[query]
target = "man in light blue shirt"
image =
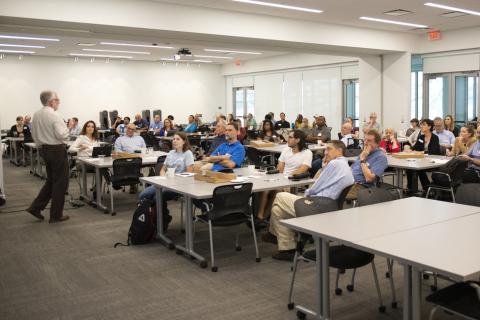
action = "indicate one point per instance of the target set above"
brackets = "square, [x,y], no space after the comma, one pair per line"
[156,125]
[445,137]
[334,178]
[129,142]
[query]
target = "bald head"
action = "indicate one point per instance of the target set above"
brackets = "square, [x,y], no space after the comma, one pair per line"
[346,128]
[130,129]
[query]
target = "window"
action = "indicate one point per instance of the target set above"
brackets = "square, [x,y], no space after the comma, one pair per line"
[416,107]
[243,102]
[466,97]
[351,101]
[438,96]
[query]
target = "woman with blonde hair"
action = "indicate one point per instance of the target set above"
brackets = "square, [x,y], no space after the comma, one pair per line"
[449,123]
[463,142]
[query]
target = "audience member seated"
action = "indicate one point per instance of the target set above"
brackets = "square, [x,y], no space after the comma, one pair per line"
[217,118]
[320,131]
[449,123]
[370,165]
[346,135]
[230,118]
[172,120]
[156,125]
[198,119]
[219,137]
[250,122]
[282,123]
[389,143]
[230,154]
[73,128]
[167,126]
[472,174]
[413,127]
[27,120]
[372,124]
[355,130]
[272,117]
[19,130]
[268,134]
[87,139]
[140,124]
[305,126]
[445,137]
[191,126]
[463,142]
[299,122]
[180,158]
[295,159]
[118,121]
[242,132]
[429,143]
[129,142]
[121,128]
[334,178]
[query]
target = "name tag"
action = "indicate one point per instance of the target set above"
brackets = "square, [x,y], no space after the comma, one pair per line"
[420,140]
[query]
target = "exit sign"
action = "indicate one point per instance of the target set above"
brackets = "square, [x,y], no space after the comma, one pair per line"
[434,35]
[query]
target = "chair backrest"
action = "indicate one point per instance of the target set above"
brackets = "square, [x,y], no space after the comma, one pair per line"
[468,193]
[253,156]
[129,168]
[370,196]
[150,140]
[352,152]
[194,141]
[159,165]
[231,199]
[343,196]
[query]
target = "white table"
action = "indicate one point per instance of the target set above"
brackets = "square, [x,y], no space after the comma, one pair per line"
[106,163]
[278,148]
[190,189]
[354,227]
[35,164]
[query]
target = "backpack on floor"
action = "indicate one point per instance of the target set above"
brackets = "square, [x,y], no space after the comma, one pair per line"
[144,224]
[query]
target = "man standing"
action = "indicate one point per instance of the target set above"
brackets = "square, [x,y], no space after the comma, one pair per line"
[320,132]
[156,125]
[50,135]
[282,123]
[230,154]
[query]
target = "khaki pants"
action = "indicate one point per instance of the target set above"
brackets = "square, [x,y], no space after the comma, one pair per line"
[283,208]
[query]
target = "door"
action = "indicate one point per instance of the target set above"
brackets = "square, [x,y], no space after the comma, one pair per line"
[351,101]
[243,102]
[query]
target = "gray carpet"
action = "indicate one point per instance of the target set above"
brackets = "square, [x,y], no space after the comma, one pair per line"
[71,270]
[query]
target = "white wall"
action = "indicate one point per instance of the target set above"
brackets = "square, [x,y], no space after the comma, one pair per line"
[370,81]
[85,88]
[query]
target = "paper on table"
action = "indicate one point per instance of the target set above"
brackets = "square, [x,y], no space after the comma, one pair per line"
[185,174]
[239,179]
[442,161]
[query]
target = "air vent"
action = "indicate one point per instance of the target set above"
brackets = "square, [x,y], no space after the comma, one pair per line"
[397,12]
[421,29]
[453,14]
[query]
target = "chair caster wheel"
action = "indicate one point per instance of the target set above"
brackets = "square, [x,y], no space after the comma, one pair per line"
[238,248]
[338,291]
[113,213]
[426,276]
[171,246]
[203,264]
[394,305]
[258,259]
[433,288]
[387,274]
[214,269]
[350,288]
[382,309]
[290,306]
[178,251]
[301,315]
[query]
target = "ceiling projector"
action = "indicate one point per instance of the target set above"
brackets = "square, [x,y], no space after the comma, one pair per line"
[183,54]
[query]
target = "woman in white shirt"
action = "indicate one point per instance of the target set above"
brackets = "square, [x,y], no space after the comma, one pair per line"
[87,139]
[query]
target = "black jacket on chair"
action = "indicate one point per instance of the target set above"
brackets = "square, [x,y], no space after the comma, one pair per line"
[433,146]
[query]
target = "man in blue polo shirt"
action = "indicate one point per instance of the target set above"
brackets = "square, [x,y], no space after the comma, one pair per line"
[371,164]
[230,154]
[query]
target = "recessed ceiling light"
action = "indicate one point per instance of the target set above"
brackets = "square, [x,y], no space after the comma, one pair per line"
[395,22]
[21,46]
[135,45]
[16,51]
[116,51]
[214,57]
[453,14]
[167,59]
[85,44]
[231,51]
[204,61]
[99,56]
[397,12]
[281,6]
[441,6]
[2,36]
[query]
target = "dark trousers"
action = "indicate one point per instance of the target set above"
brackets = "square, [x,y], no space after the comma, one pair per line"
[413,185]
[55,157]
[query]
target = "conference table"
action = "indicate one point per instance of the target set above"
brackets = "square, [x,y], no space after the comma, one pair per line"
[190,189]
[107,163]
[279,147]
[421,234]
[35,163]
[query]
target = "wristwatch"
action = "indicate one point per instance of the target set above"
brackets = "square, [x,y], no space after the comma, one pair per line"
[363,161]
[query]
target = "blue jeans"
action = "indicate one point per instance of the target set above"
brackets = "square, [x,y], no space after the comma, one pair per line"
[149,193]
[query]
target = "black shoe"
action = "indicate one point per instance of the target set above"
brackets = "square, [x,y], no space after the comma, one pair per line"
[61,219]
[270,238]
[36,213]
[259,224]
[285,255]
[166,221]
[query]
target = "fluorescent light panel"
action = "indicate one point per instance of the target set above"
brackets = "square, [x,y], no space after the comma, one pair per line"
[394,22]
[99,56]
[281,6]
[16,51]
[135,45]
[214,57]
[195,60]
[21,46]
[231,51]
[3,36]
[441,6]
[116,51]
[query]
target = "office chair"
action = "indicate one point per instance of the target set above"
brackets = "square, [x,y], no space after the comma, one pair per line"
[462,299]
[448,181]
[256,158]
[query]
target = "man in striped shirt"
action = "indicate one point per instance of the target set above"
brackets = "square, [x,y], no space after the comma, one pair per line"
[335,176]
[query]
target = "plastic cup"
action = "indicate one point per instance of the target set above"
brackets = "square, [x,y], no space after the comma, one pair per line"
[170,172]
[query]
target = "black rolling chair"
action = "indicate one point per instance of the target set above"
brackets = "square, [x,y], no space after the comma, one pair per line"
[448,181]
[462,299]
[195,142]
[125,172]
[468,193]
[229,206]
[256,158]
[159,165]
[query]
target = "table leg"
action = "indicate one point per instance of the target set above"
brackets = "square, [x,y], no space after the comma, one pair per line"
[407,292]
[416,294]
[323,248]
[98,188]
[400,180]
[160,234]
[32,162]
[23,156]
[83,189]
[10,149]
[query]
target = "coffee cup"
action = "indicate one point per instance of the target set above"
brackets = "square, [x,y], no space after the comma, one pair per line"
[170,172]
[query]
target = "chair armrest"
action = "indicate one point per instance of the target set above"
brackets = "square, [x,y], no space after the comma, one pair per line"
[475,286]
[444,174]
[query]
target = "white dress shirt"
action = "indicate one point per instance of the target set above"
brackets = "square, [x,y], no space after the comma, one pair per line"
[83,140]
[48,127]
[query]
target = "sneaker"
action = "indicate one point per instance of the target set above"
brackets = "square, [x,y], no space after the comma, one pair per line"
[270,238]
[285,255]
